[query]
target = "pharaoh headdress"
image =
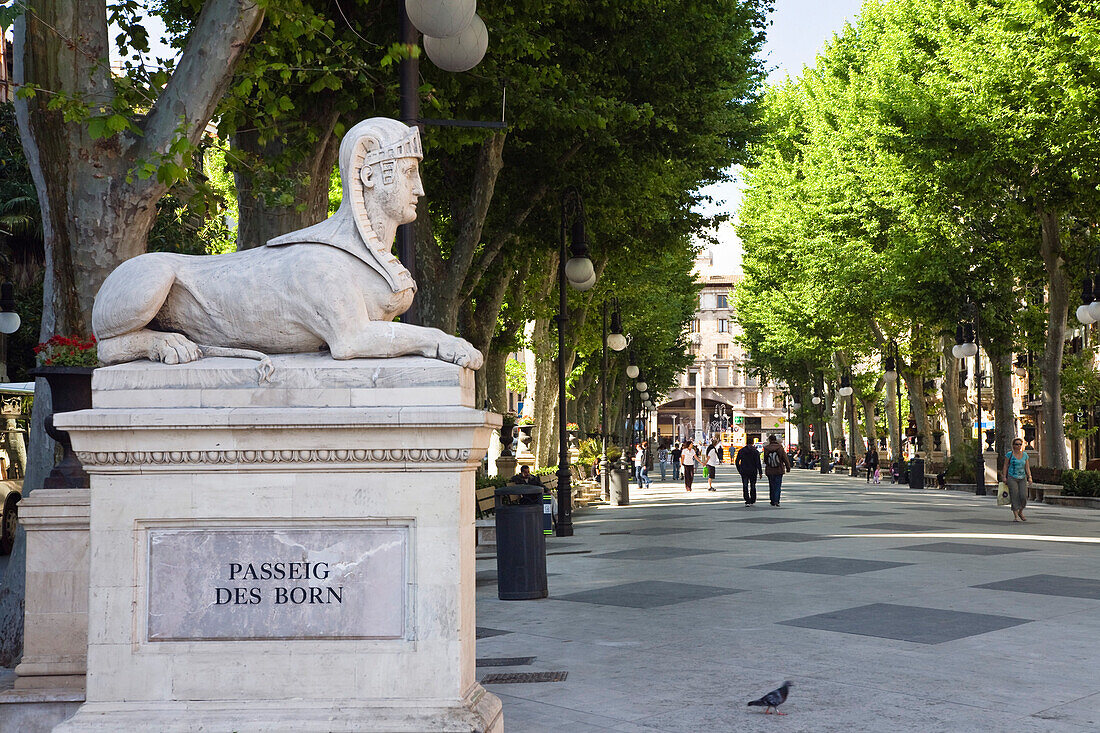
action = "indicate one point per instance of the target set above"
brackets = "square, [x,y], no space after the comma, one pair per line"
[377,140]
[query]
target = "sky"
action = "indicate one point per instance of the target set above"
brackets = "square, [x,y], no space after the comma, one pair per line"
[798,30]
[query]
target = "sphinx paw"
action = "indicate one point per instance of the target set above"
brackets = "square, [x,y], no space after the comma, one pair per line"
[460,351]
[173,348]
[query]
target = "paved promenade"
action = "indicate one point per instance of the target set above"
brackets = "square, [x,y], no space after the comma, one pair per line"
[890,610]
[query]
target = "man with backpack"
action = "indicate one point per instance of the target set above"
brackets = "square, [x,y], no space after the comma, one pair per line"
[776,463]
[750,467]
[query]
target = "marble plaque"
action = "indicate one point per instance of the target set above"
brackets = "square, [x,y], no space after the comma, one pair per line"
[278,583]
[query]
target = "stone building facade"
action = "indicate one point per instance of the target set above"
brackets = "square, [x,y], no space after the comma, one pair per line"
[718,380]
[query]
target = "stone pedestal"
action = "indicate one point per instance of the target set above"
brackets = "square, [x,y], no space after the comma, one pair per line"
[506,466]
[55,616]
[49,685]
[297,555]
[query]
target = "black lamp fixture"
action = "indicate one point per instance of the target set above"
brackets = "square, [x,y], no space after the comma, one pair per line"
[9,319]
[1089,310]
[616,341]
[579,273]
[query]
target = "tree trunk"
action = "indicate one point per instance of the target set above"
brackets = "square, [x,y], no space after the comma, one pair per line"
[836,420]
[871,430]
[951,400]
[442,281]
[1004,418]
[93,217]
[1053,445]
[892,426]
[496,384]
[545,393]
[260,218]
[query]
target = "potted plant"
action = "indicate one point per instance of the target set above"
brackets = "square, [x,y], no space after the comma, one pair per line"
[526,431]
[574,431]
[507,428]
[66,363]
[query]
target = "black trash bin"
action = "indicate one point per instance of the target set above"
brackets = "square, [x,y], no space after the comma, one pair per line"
[916,473]
[521,545]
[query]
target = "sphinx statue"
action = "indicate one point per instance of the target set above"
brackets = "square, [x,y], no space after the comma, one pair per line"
[335,285]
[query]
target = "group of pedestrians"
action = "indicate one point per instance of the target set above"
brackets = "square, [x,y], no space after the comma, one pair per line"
[773,462]
[752,462]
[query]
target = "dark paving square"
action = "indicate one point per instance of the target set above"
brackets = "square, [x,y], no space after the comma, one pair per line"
[860,513]
[897,527]
[655,531]
[829,565]
[647,594]
[484,632]
[946,509]
[906,623]
[767,520]
[652,553]
[1049,585]
[784,537]
[963,548]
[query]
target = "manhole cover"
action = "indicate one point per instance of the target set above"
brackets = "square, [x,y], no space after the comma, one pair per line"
[513,678]
[504,661]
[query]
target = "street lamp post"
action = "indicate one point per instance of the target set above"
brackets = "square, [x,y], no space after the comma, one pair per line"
[578,272]
[616,341]
[968,344]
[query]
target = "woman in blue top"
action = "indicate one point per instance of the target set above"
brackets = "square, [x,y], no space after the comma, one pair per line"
[1017,474]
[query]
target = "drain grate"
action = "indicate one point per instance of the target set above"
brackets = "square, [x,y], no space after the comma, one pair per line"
[514,678]
[605,533]
[504,661]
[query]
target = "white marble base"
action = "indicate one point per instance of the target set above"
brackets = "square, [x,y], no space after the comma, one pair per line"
[185,457]
[55,640]
[37,711]
[479,711]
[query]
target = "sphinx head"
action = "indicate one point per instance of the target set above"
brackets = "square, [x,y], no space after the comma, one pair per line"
[380,169]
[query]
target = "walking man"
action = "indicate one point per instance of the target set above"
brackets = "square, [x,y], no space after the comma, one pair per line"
[676,450]
[750,467]
[776,463]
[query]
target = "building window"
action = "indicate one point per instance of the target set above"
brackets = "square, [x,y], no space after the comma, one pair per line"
[733,377]
[693,377]
[723,351]
[693,349]
[723,377]
[695,325]
[723,325]
[751,400]
[751,381]
[777,400]
[723,301]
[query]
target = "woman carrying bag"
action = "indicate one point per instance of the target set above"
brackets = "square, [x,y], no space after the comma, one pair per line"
[1016,472]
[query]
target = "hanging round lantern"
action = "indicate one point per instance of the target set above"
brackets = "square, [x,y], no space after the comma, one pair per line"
[441,18]
[460,52]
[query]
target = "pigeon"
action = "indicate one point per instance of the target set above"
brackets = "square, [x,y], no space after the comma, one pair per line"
[773,699]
